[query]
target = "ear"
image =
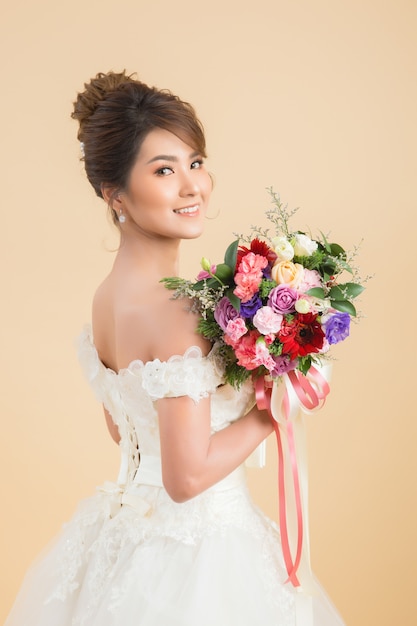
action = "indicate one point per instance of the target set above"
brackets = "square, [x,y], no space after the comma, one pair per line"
[111,196]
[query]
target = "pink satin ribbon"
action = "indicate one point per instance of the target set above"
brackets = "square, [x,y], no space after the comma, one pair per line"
[311,391]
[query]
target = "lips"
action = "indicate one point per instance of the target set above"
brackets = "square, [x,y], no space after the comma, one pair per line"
[188,210]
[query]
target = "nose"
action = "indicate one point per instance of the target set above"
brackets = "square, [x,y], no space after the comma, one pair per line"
[189,184]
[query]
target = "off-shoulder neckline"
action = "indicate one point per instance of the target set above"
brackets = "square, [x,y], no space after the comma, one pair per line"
[88,332]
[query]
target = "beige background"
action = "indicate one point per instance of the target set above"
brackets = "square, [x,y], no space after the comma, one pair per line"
[317,99]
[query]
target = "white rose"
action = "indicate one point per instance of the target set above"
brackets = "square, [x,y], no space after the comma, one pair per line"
[283,248]
[304,246]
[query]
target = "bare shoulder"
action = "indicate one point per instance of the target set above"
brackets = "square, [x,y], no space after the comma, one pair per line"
[141,320]
[156,326]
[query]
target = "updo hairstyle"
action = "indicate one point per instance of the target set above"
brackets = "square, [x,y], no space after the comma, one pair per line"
[115,113]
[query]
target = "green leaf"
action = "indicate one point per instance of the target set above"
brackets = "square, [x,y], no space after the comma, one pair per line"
[224,273]
[236,375]
[234,300]
[345,266]
[344,306]
[209,329]
[212,283]
[345,291]
[316,292]
[173,282]
[304,364]
[353,290]
[200,284]
[223,276]
[276,348]
[325,242]
[336,293]
[329,266]
[231,254]
[336,250]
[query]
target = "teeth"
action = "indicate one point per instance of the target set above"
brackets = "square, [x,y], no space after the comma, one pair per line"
[189,209]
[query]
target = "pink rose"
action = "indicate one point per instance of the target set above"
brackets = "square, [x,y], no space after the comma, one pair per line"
[267,321]
[282,299]
[236,328]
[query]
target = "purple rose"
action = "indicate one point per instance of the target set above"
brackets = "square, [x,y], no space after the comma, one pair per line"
[249,308]
[224,312]
[282,299]
[336,327]
[283,364]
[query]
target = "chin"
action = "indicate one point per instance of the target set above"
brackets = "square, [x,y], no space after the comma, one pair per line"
[192,232]
[193,235]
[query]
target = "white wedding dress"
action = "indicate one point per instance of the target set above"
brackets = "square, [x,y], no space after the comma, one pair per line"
[131,556]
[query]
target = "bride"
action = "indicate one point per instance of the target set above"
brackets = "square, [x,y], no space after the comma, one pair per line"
[176,540]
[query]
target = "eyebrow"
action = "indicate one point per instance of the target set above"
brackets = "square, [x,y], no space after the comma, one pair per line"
[170,158]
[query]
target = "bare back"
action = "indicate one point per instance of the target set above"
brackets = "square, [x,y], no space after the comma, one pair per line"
[135,317]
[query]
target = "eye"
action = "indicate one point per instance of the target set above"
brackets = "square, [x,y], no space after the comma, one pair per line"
[164,171]
[195,165]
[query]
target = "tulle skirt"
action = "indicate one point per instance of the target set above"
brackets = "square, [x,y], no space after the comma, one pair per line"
[143,560]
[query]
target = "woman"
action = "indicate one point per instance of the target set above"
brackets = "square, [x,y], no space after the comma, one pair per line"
[176,541]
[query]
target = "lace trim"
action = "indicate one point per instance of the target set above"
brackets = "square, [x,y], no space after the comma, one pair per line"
[191,374]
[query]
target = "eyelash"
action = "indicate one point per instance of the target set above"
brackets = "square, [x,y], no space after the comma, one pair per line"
[161,171]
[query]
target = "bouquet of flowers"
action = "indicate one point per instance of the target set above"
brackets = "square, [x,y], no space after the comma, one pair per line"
[274,307]
[277,302]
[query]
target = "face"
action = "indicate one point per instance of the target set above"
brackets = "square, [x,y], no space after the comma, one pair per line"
[169,189]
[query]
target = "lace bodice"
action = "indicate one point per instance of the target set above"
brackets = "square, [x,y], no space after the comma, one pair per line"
[129,395]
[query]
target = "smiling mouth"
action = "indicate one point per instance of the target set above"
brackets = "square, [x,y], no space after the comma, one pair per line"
[188,210]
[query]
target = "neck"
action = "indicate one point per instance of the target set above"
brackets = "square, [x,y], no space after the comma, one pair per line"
[157,258]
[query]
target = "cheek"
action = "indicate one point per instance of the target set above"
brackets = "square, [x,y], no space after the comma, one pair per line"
[153,195]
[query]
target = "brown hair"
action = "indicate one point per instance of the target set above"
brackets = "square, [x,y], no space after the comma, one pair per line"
[115,113]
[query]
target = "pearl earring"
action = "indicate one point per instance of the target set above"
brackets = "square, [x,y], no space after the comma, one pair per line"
[122,218]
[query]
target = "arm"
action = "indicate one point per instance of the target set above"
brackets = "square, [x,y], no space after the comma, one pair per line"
[192,458]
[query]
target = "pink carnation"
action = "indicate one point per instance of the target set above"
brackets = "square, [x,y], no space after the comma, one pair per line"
[247,286]
[249,276]
[245,350]
[236,328]
[267,321]
[311,278]
[252,263]
[263,357]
